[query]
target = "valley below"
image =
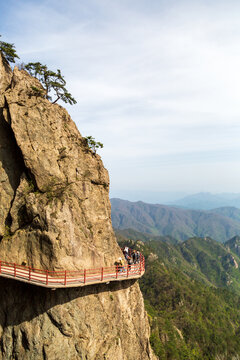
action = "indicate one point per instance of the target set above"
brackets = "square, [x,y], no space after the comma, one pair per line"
[192,296]
[191,286]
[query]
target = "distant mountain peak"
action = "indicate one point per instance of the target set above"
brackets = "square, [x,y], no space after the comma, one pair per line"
[208,201]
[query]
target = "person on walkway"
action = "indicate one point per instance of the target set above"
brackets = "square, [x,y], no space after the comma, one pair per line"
[129,261]
[134,256]
[125,252]
[119,264]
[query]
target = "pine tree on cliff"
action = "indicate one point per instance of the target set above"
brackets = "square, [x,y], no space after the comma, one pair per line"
[92,144]
[8,51]
[51,81]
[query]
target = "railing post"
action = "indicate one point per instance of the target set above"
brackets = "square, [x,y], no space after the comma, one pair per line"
[29,274]
[84,276]
[116,271]
[46,277]
[102,274]
[15,271]
[65,278]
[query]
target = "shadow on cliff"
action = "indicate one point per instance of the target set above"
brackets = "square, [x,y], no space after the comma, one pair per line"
[20,302]
[10,155]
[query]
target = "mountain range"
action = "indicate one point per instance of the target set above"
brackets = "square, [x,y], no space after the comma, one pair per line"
[208,201]
[220,224]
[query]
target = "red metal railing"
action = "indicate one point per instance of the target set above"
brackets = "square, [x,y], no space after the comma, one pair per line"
[68,278]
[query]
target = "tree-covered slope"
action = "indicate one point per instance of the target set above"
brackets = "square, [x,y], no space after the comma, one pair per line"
[214,260]
[192,296]
[228,211]
[190,320]
[234,245]
[136,235]
[176,222]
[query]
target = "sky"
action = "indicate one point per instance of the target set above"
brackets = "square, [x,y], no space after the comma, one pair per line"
[156,81]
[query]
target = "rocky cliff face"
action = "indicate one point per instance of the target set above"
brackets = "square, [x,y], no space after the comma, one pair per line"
[55,214]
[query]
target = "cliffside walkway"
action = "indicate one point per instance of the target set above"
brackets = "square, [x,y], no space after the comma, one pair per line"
[68,278]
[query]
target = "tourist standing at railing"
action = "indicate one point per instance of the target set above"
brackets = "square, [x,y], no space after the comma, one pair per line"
[119,264]
[126,252]
[134,256]
[129,261]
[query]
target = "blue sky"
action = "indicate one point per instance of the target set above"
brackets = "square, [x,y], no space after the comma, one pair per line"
[158,82]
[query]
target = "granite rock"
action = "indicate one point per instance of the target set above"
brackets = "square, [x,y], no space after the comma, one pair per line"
[55,214]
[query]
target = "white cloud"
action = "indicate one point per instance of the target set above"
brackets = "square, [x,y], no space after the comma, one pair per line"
[156,80]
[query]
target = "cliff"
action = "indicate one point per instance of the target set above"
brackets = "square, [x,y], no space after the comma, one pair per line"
[55,214]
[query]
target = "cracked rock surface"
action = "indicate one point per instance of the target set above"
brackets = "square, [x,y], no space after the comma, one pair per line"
[94,322]
[55,214]
[54,209]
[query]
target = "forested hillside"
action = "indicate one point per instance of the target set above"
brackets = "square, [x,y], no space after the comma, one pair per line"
[136,235]
[228,211]
[192,296]
[178,223]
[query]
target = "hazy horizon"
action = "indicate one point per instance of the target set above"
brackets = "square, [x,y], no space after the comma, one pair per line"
[168,198]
